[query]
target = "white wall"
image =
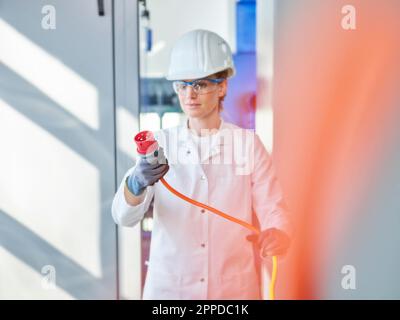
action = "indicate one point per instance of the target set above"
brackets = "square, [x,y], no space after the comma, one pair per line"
[265,71]
[172,18]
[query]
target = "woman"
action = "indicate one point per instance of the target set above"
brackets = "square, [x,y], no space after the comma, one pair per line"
[195,254]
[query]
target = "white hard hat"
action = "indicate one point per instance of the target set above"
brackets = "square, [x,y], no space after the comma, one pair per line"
[198,54]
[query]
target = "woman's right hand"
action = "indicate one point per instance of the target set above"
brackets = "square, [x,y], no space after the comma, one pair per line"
[145,174]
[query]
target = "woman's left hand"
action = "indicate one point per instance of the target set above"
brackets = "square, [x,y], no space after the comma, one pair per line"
[272,242]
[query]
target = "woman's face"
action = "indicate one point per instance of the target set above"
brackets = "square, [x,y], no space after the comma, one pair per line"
[201,105]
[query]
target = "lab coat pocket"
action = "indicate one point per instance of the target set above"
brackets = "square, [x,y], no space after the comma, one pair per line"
[236,188]
[240,286]
[161,285]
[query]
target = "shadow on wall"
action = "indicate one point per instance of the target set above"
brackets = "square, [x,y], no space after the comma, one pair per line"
[45,92]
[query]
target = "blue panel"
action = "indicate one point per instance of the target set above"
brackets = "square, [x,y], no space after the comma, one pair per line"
[239,105]
[246,26]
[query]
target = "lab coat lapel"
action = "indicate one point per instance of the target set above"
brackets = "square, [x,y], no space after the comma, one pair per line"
[215,148]
[188,146]
[216,145]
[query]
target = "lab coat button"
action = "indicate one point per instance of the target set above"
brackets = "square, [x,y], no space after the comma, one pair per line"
[202,210]
[203,245]
[202,280]
[203,177]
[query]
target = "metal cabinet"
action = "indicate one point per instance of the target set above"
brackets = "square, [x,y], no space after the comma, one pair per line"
[61,127]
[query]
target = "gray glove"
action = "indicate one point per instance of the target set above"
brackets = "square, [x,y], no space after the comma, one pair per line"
[147,173]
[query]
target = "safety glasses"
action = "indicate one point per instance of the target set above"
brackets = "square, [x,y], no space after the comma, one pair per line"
[201,86]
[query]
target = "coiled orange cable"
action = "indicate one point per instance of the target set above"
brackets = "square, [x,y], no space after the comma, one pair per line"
[235,220]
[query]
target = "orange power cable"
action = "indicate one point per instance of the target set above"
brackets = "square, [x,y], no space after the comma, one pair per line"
[235,220]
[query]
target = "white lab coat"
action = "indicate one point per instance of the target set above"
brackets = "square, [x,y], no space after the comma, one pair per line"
[195,254]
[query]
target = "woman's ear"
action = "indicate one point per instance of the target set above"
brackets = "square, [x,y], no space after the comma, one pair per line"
[223,87]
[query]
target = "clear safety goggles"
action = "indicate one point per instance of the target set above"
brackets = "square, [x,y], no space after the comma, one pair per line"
[201,86]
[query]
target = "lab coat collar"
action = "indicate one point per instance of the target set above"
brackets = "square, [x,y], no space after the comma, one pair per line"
[216,143]
[187,132]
